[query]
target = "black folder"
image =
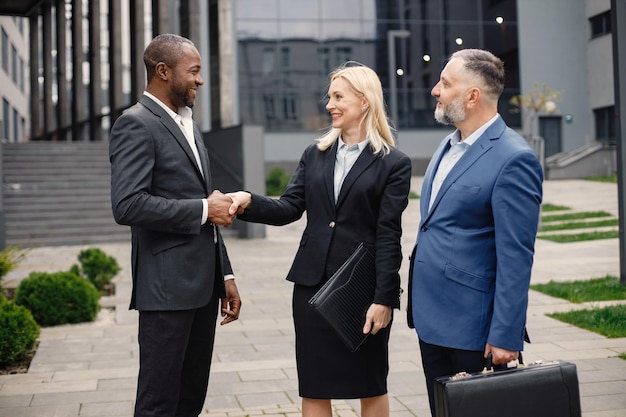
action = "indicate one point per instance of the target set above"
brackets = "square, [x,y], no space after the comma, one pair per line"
[344,299]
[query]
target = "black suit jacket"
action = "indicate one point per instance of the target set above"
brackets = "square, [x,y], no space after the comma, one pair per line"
[156,189]
[369,210]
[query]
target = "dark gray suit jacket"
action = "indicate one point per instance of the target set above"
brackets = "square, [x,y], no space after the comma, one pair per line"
[156,189]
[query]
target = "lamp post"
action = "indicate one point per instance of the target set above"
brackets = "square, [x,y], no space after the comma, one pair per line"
[393,91]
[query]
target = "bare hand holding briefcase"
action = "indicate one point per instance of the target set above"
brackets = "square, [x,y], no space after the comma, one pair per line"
[547,389]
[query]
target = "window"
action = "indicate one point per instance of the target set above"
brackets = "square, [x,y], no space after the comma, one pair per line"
[268,61]
[284,59]
[5,118]
[600,24]
[16,125]
[5,51]
[14,63]
[605,123]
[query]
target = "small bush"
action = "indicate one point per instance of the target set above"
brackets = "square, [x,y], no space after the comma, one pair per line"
[18,332]
[276,181]
[97,267]
[58,298]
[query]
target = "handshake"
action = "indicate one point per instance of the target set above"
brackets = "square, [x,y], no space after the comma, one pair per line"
[224,207]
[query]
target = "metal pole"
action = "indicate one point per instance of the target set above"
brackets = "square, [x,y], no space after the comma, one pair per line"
[618,25]
[393,91]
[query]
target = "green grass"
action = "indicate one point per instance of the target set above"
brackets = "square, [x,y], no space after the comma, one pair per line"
[579,225]
[575,216]
[553,207]
[598,289]
[604,178]
[607,321]
[580,237]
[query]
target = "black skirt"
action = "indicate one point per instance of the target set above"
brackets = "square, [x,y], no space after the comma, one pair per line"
[326,368]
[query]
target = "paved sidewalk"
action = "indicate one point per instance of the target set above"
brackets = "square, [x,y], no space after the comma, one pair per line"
[89,370]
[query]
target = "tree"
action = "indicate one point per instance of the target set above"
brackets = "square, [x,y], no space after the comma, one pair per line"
[541,99]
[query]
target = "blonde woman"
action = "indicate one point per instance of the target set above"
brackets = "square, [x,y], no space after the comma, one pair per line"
[354,185]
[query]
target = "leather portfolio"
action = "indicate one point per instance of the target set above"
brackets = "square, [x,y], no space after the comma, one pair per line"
[547,389]
[345,298]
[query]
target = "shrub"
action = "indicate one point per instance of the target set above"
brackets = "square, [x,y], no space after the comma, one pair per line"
[97,267]
[276,181]
[18,332]
[58,298]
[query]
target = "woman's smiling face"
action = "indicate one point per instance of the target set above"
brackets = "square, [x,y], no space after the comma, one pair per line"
[344,105]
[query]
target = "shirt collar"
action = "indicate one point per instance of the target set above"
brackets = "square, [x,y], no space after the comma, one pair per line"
[183,112]
[475,135]
[361,144]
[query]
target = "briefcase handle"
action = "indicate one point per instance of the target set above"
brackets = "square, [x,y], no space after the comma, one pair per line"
[489,366]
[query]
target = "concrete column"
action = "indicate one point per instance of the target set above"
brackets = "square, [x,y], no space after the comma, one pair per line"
[116,95]
[227,46]
[62,101]
[95,72]
[48,108]
[35,122]
[78,92]
[137,42]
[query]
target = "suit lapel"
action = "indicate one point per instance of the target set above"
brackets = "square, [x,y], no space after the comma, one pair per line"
[329,171]
[482,145]
[174,129]
[429,175]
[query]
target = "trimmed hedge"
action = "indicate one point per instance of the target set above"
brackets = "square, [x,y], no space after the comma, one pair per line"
[18,332]
[97,267]
[58,298]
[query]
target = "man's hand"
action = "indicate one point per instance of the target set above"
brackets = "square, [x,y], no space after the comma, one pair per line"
[219,205]
[231,305]
[378,317]
[241,201]
[500,356]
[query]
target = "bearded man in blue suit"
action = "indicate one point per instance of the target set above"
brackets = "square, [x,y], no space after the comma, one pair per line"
[471,266]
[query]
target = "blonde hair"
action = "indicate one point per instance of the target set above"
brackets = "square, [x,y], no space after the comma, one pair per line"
[364,82]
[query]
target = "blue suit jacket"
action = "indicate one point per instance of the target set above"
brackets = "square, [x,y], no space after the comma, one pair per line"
[470,269]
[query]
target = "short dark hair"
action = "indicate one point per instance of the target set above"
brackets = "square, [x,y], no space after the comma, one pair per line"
[486,65]
[165,48]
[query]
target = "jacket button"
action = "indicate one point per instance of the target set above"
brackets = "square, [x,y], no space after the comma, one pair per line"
[331,225]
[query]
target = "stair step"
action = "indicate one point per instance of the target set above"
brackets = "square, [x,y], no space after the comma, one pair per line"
[58,193]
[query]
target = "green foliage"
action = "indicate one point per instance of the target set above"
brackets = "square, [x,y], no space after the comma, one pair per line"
[276,181]
[413,195]
[575,216]
[18,332]
[9,258]
[97,267]
[598,289]
[607,321]
[553,207]
[580,237]
[579,225]
[58,298]
[604,178]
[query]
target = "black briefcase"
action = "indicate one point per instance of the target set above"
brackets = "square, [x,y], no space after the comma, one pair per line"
[344,299]
[547,389]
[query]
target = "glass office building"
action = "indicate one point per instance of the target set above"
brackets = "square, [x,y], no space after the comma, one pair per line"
[286,49]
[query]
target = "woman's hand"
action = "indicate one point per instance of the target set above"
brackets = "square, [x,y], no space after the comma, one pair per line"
[241,201]
[378,317]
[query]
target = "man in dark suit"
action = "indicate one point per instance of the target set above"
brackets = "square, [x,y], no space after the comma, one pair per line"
[160,180]
[471,266]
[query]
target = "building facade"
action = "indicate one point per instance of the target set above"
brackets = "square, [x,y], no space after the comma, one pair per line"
[286,48]
[14,88]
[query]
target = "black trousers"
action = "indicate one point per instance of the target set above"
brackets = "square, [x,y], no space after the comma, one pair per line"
[175,350]
[442,361]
